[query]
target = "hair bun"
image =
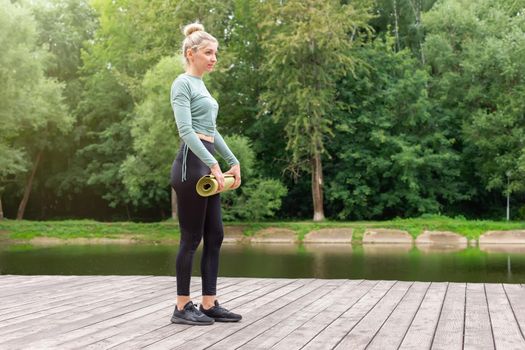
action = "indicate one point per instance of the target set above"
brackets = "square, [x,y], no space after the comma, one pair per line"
[192,27]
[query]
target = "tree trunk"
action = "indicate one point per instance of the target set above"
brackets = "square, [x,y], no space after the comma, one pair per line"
[416,8]
[1,210]
[317,187]
[173,204]
[127,212]
[29,186]
[396,27]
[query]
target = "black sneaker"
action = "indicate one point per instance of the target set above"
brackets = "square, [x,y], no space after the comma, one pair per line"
[220,314]
[190,315]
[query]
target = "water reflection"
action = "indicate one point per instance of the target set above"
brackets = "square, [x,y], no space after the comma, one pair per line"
[442,247]
[368,261]
[383,249]
[323,254]
[503,248]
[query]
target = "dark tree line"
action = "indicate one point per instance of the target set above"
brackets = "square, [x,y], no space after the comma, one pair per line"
[345,109]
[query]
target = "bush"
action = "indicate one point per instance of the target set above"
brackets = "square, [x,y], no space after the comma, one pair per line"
[257,198]
[260,199]
[521,213]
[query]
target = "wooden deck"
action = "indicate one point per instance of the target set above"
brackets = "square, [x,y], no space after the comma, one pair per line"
[132,312]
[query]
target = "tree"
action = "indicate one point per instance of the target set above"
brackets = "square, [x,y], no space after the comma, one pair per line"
[12,162]
[64,27]
[33,113]
[146,171]
[402,19]
[477,63]
[306,44]
[237,81]
[133,36]
[259,197]
[391,155]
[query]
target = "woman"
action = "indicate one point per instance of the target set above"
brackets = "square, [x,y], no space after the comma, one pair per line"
[199,217]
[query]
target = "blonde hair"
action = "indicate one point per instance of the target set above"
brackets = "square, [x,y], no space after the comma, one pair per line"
[195,35]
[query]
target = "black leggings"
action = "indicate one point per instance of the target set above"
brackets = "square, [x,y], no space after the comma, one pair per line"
[199,217]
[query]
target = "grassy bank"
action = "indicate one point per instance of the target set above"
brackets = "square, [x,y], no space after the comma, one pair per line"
[169,230]
[472,229]
[68,229]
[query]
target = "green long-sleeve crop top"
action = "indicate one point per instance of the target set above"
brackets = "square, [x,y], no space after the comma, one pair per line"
[196,112]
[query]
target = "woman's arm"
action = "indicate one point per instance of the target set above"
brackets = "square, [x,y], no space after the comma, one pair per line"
[223,149]
[225,152]
[180,102]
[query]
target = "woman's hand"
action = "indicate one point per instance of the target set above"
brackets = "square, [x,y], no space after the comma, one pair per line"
[217,173]
[236,172]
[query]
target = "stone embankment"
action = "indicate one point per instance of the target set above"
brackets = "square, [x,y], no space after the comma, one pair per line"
[494,241]
[381,235]
[445,240]
[329,235]
[275,235]
[511,241]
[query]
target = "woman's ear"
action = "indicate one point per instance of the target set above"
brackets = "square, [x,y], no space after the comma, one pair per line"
[189,54]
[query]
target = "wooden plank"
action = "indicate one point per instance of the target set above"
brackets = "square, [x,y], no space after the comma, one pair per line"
[105,329]
[17,299]
[129,330]
[71,320]
[478,332]
[149,338]
[281,329]
[44,282]
[64,288]
[86,308]
[47,326]
[285,313]
[91,299]
[46,334]
[253,311]
[16,281]
[449,331]
[421,331]
[45,301]
[47,281]
[363,332]
[130,312]
[19,315]
[516,295]
[26,279]
[507,334]
[169,329]
[327,328]
[393,330]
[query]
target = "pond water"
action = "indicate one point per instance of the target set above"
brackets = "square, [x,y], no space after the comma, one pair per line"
[373,262]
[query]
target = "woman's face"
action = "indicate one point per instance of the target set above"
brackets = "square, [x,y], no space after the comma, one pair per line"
[205,58]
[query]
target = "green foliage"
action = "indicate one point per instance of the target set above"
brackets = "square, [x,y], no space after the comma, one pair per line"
[132,38]
[521,213]
[22,230]
[261,200]
[258,197]
[145,172]
[242,148]
[390,154]
[63,27]
[238,80]
[475,51]
[424,116]
[401,19]
[103,132]
[32,110]
[306,44]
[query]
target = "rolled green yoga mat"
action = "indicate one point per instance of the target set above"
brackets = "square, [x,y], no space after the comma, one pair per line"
[207,185]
